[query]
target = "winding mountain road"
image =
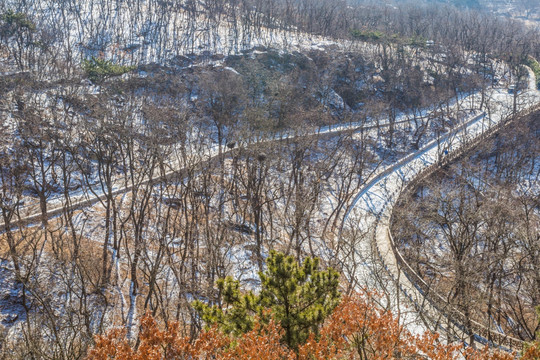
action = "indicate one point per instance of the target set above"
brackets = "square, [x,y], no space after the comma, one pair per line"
[373,205]
[81,199]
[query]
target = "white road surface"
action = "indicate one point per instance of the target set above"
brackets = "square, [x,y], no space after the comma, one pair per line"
[373,205]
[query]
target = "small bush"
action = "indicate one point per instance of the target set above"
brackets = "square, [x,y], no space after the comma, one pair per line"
[535,66]
[367,35]
[17,20]
[98,69]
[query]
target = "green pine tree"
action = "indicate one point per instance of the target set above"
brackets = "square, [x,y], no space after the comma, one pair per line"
[98,69]
[300,297]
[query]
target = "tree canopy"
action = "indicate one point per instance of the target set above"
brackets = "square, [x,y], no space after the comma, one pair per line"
[299,296]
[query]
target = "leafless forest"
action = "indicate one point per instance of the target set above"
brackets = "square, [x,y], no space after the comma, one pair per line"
[149,148]
[477,239]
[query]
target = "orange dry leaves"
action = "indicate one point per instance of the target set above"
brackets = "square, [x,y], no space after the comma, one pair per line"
[357,329]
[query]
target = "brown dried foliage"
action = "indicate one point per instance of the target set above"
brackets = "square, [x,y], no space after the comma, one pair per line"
[358,329]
